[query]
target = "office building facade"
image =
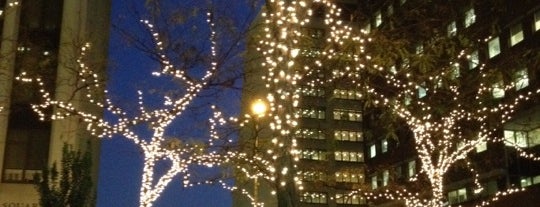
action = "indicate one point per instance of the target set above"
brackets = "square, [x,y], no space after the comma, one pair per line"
[342,146]
[504,37]
[43,38]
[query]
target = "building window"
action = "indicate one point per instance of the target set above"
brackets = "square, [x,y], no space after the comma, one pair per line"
[473,59]
[313,197]
[347,177]
[312,176]
[306,133]
[480,147]
[455,73]
[367,28]
[494,47]
[457,196]
[419,49]
[451,28]
[422,92]
[497,90]
[522,138]
[372,150]
[344,135]
[407,100]
[537,21]
[347,94]
[521,79]
[378,19]
[349,199]
[528,181]
[516,34]
[385,177]
[411,168]
[314,92]
[348,115]
[312,113]
[390,10]
[393,69]
[27,145]
[384,145]
[470,18]
[374,182]
[347,156]
[310,52]
[309,154]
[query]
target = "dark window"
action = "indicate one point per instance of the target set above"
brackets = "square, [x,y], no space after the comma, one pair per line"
[27,142]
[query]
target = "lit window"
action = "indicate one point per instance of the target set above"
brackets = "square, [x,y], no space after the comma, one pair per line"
[537,21]
[312,154]
[348,115]
[347,94]
[407,100]
[419,49]
[411,168]
[374,182]
[534,137]
[384,145]
[344,135]
[457,196]
[372,151]
[312,176]
[385,176]
[473,59]
[315,92]
[521,79]
[516,34]
[525,181]
[306,133]
[536,179]
[312,113]
[349,199]
[390,10]
[480,147]
[497,90]
[522,138]
[470,18]
[348,156]
[367,28]
[494,47]
[518,138]
[313,197]
[347,177]
[455,70]
[452,28]
[393,69]
[378,19]
[421,92]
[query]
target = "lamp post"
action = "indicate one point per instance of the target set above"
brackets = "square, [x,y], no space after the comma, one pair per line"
[258,109]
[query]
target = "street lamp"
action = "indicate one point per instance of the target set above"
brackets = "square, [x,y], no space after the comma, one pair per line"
[258,109]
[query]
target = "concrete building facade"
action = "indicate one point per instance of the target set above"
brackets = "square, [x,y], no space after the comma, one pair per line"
[43,38]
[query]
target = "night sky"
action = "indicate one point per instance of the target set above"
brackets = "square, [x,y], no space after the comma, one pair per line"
[121,161]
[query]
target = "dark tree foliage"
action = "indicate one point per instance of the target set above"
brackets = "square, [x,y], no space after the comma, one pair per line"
[71,185]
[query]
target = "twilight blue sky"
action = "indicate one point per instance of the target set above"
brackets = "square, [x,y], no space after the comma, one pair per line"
[121,160]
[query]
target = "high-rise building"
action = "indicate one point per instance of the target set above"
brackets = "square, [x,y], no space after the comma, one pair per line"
[343,146]
[330,132]
[43,38]
[504,38]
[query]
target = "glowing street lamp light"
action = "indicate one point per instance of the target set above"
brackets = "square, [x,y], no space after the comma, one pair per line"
[259,108]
